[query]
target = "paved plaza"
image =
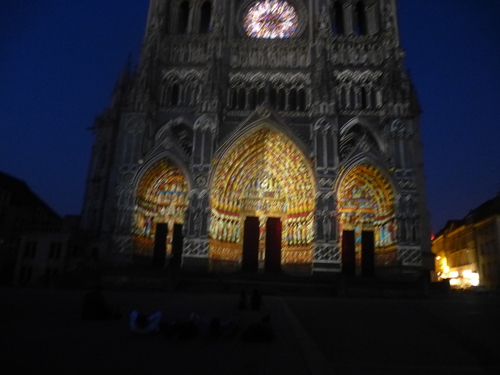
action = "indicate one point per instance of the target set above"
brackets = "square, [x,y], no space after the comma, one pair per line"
[42,333]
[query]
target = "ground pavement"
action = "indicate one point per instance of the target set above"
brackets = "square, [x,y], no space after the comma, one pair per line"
[41,333]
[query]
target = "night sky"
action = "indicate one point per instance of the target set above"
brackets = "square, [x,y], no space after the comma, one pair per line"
[59,61]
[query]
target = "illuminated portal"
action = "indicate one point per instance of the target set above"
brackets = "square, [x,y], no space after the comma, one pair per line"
[161,198]
[366,203]
[271,19]
[263,175]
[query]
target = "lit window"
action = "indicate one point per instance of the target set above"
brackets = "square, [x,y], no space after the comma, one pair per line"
[271,19]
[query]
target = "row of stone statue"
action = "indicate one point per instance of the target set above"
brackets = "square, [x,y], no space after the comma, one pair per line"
[296,232]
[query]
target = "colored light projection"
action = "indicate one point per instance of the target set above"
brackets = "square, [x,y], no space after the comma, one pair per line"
[265,175]
[161,198]
[271,19]
[366,202]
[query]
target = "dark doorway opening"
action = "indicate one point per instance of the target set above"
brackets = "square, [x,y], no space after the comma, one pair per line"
[250,261]
[367,254]
[177,243]
[348,253]
[273,245]
[160,246]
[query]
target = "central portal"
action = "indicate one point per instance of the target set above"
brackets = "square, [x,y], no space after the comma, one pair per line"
[262,206]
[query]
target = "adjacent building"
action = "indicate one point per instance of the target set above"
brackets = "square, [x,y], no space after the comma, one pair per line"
[48,251]
[468,251]
[20,210]
[263,136]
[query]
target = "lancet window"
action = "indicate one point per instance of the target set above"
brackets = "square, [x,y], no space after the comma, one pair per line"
[364,97]
[205,17]
[337,18]
[193,16]
[183,17]
[279,96]
[360,26]
[179,93]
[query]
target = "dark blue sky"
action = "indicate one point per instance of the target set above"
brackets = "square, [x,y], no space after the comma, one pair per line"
[59,61]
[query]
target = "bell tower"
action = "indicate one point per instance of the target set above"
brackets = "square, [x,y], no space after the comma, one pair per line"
[298,113]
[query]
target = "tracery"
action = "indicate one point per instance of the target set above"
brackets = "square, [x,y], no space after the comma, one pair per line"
[271,19]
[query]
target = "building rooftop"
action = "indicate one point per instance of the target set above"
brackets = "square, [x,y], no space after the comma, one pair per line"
[22,196]
[487,209]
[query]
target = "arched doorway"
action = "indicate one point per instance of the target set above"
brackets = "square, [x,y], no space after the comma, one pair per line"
[366,219]
[160,208]
[262,206]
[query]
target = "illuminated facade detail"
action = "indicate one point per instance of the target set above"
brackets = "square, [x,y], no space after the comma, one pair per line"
[264,175]
[366,202]
[161,198]
[280,130]
[271,19]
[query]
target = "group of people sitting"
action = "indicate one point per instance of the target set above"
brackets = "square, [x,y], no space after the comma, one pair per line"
[95,307]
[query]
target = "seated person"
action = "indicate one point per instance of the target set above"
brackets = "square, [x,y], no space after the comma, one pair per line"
[95,307]
[140,323]
[215,327]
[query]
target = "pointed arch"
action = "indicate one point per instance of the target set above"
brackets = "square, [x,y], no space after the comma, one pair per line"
[263,117]
[262,174]
[360,25]
[337,18]
[161,197]
[175,95]
[205,17]
[366,200]
[183,17]
[357,127]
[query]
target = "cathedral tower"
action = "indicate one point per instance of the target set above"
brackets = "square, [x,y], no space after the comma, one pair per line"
[264,136]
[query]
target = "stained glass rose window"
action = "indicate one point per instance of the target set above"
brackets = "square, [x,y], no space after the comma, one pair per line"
[271,19]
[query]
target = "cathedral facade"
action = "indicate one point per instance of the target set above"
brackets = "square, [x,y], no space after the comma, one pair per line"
[263,136]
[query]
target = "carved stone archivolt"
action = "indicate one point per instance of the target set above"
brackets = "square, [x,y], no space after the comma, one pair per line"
[205,122]
[261,78]
[184,74]
[357,76]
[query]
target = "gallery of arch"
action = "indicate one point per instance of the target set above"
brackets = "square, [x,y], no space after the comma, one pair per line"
[263,136]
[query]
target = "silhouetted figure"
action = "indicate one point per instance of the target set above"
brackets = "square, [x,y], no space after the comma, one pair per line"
[140,323]
[242,304]
[259,331]
[215,327]
[95,307]
[256,299]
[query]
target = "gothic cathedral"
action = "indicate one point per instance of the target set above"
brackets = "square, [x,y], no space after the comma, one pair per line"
[263,136]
